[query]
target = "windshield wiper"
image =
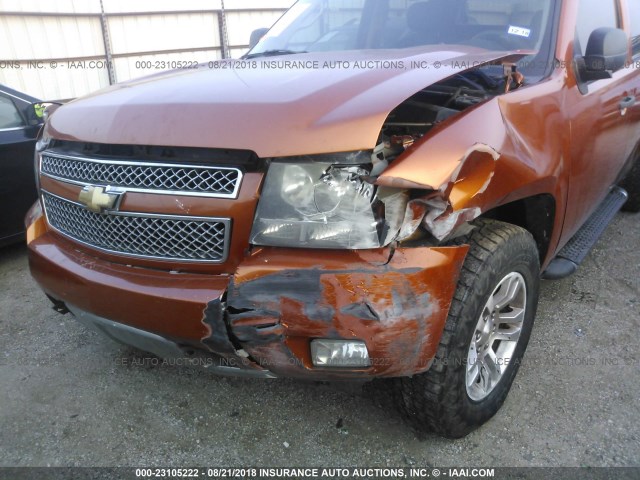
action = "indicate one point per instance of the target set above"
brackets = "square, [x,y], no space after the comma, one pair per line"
[272,53]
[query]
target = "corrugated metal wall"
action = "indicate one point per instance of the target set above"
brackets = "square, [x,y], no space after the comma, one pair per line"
[68,48]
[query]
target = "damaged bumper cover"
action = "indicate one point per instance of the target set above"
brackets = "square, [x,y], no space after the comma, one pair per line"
[170,351]
[395,302]
[261,321]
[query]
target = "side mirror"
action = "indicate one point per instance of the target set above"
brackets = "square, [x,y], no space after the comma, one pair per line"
[607,52]
[256,36]
[35,114]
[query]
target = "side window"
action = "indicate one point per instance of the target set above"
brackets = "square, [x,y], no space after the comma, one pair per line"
[9,116]
[634,10]
[594,14]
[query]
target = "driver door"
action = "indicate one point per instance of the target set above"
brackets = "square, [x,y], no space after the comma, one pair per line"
[600,126]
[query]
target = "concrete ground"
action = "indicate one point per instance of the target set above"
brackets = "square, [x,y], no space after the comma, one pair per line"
[70,397]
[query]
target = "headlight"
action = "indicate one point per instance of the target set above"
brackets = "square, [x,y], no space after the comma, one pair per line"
[322,204]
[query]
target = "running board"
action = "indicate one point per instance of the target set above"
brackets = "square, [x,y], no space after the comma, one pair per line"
[573,254]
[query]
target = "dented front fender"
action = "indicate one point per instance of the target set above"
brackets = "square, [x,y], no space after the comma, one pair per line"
[483,158]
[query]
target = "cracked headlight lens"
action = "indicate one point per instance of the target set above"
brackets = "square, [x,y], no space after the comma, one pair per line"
[321,204]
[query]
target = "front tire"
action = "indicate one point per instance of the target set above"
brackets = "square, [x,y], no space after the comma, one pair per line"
[485,336]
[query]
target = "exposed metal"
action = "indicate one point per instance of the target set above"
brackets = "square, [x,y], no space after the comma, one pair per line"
[160,178]
[165,237]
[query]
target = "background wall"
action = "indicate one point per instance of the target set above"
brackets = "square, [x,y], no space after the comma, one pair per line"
[67,48]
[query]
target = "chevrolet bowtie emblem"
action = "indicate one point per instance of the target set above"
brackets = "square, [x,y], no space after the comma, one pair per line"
[97,200]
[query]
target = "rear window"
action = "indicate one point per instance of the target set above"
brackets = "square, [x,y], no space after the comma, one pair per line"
[634,10]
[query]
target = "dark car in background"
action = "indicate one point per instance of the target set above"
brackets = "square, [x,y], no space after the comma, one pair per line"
[20,121]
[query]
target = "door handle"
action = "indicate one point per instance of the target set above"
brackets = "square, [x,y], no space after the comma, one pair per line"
[627,102]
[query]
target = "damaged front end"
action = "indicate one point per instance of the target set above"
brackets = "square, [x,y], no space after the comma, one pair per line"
[349,253]
[353,200]
[394,303]
[440,183]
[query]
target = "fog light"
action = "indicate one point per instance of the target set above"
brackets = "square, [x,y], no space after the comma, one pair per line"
[339,353]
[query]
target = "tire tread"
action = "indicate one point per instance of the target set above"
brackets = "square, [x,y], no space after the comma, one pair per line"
[437,409]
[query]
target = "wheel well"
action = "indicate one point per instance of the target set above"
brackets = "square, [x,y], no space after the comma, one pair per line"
[534,214]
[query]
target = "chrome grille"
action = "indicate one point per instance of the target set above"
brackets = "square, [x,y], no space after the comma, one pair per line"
[163,237]
[141,176]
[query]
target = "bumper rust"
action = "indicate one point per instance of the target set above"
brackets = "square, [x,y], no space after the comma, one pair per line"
[264,317]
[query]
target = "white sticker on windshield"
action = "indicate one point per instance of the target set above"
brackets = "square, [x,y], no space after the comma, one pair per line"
[520,31]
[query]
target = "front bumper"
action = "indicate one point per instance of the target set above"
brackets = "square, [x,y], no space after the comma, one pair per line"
[162,347]
[260,321]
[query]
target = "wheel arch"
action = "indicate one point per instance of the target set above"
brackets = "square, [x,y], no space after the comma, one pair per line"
[536,214]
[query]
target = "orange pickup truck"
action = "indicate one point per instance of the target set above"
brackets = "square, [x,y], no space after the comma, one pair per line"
[374,191]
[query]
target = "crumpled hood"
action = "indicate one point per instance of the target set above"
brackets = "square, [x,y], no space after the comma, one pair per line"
[271,111]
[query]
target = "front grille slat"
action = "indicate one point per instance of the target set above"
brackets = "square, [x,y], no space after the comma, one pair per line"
[210,181]
[164,237]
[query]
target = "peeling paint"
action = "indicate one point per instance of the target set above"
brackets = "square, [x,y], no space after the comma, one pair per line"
[274,308]
[361,310]
[301,286]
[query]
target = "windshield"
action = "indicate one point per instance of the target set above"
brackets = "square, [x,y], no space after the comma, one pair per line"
[341,25]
